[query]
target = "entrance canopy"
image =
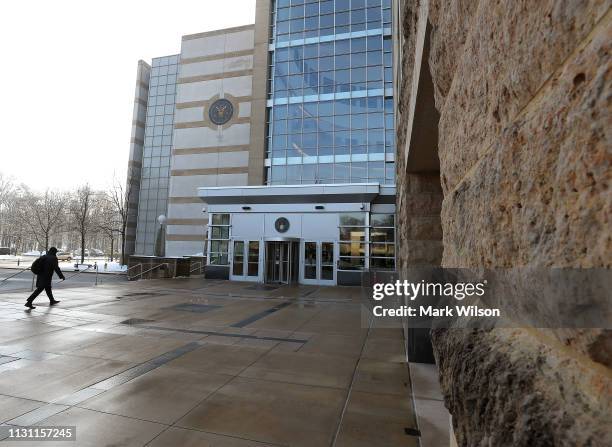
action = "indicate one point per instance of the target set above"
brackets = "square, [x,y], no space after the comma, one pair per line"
[278,194]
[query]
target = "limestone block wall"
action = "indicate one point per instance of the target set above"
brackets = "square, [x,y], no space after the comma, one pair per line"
[523,90]
[215,64]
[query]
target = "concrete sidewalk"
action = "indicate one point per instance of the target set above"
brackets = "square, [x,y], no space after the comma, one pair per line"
[190,362]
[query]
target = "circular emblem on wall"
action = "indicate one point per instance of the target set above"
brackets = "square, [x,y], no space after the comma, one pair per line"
[221,111]
[281,225]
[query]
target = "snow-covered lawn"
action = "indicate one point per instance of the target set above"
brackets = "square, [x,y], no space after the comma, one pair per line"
[25,260]
[103,267]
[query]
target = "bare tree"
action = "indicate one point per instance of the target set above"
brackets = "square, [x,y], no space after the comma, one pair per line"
[6,188]
[108,221]
[120,196]
[42,215]
[82,209]
[6,191]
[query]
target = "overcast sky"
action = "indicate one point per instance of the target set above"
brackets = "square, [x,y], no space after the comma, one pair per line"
[68,73]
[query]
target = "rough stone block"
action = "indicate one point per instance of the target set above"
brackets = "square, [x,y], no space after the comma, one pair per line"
[508,388]
[511,50]
[541,196]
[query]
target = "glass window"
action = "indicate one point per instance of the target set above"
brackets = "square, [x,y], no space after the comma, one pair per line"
[219,239]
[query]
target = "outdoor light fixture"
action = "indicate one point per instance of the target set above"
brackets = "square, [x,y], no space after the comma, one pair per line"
[319,207]
[246,208]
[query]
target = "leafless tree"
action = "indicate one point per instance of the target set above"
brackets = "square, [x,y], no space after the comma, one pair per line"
[82,212]
[41,214]
[120,195]
[108,220]
[6,190]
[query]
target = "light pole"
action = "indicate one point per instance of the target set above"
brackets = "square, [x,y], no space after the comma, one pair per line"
[160,240]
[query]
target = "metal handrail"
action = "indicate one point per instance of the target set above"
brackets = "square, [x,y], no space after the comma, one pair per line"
[79,272]
[12,276]
[199,266]
[2,282]
[136,265]
[147,271]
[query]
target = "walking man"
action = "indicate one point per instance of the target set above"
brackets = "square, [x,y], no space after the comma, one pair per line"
[44,267]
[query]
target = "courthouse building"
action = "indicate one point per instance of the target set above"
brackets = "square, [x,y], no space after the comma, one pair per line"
[271,147]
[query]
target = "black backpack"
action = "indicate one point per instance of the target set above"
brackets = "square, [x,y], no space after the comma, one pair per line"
[36,266]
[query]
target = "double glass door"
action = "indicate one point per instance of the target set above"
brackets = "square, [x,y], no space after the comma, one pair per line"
[245,260]
[318,263]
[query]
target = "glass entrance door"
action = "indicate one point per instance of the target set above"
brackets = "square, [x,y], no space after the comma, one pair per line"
[281,257]
[245,261]
[318,263]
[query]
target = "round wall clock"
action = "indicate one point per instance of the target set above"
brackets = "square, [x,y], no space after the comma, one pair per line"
[221,111]
[281,225]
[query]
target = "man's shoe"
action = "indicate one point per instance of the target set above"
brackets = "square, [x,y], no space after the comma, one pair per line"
[30,305]
[51,303]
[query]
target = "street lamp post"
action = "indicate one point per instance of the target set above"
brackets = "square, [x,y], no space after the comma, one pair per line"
[160,240]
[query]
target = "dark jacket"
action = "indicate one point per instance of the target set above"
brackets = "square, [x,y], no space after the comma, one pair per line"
[48,265]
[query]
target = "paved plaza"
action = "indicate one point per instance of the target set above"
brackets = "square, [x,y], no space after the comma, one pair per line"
[193,362]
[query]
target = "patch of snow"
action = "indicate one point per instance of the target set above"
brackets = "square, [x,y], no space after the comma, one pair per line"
[33,253]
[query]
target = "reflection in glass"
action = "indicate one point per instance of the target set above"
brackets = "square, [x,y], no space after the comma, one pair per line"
[310,260]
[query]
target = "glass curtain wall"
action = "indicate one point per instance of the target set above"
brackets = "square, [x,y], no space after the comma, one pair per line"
[330,103]
[157,152]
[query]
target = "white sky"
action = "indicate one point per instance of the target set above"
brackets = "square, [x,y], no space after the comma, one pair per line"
[68,74]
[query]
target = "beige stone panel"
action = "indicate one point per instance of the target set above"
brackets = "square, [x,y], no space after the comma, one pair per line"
[242,40]
[184,248]
[217,66]
[187,229]
[488,91]
[195,161]
[184,200]
[244,110]
[205,90]
[214,66]
[198,91]
[205,46]
[238,63]
[186,211]
[187,186]
[233,159]
[235,135]
[238,86]
[185,237]
[188,115]
[232,180]
[188,221]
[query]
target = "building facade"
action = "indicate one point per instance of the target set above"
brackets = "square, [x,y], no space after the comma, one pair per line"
[277,160]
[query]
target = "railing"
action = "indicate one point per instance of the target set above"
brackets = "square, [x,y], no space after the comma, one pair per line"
[131,278]
[3,281]
[12,276]
[199,265]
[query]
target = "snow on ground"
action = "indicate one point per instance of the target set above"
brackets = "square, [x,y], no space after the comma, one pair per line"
[25,260]
[103,267]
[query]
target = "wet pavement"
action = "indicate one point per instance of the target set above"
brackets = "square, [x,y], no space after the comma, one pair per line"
[193,362]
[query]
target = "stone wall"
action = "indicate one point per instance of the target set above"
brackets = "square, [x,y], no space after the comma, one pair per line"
[523,90]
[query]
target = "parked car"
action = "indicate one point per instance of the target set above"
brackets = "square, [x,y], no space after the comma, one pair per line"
[5,251]
[78,253]
[64,256]
[96,252]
